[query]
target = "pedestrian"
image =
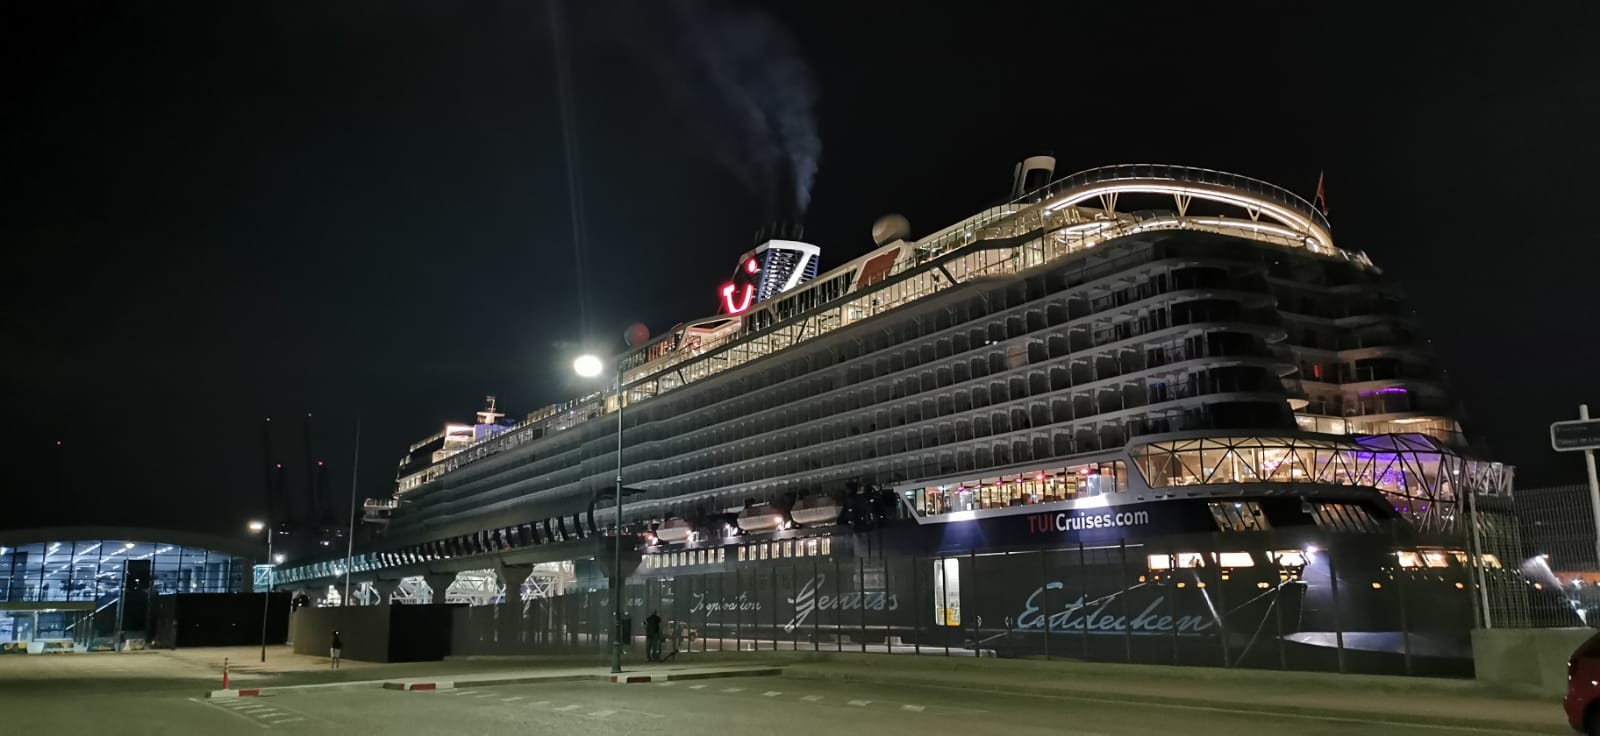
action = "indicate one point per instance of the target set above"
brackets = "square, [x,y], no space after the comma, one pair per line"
[652,637]
[333,650]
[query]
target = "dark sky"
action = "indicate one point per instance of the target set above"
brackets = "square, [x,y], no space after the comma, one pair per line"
[217,212]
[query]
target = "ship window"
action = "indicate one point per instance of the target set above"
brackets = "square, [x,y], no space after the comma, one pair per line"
[1239,516]
[947,591]
[1344,517]
[1408,558]
[1235,559]
[1435,558]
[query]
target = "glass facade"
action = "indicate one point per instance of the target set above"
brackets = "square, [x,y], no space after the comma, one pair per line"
[1419,475]
[1022,489]
[56,591]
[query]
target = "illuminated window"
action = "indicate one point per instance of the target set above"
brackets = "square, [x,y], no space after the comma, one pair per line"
[722,554]
[1235,559]
[1239,516]
[1408,558]
[741,553]
[765,551]
[1159,562]
[1288,557]
[1435,558]
[1344,517]
[1490,561]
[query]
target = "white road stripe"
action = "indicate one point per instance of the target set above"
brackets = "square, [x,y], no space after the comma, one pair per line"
[235,713]
[540,702]
[733,689]
[860,702]
[484,695]
[511,699]
[913,708]
[812,698]
[771,694]
[288,720]
[572,707]
[602,713]
[668,682]
[697,687]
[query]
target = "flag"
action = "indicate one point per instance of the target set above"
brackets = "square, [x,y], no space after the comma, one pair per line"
[1322,196]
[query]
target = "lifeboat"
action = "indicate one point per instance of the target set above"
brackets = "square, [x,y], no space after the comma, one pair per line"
[760,519]
[815,511]
[673,530]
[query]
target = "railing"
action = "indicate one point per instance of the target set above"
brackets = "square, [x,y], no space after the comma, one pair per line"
[1058,237]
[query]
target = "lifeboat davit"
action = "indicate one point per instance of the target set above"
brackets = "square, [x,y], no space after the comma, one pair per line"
[815,510]
[673,530]
[760,519]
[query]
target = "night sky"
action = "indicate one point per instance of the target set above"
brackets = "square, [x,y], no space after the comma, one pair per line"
[219,212]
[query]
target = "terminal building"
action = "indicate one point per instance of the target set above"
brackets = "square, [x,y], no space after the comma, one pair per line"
[80,588]
[1138,413]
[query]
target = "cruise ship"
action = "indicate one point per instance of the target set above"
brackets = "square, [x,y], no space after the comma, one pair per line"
[1138,413]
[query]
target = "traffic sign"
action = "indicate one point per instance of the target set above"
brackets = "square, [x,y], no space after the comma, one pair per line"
[1575,434]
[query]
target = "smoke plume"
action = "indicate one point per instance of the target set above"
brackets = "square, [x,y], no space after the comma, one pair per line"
[742,82]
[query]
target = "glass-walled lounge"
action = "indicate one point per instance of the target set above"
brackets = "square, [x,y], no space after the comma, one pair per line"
[1420,476]
[1002,491]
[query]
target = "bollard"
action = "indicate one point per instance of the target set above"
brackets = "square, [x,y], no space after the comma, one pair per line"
[224,673]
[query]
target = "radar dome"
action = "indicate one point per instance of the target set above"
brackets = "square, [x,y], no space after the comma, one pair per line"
[636,334]
[890,228]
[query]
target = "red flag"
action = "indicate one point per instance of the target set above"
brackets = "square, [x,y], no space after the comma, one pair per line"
[1321,195]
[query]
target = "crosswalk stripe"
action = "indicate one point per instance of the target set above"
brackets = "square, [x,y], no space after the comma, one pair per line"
[697,687]
[540,702]
[771,694]
[602,713]
[574,706]
[913,708]
[812,698]
[860,702]
[733,689]
[511,699]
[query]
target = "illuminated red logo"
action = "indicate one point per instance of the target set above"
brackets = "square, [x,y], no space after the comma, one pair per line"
[744,301]
[740,293]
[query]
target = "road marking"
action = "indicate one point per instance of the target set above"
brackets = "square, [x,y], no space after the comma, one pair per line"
[771,694]
[511,699]
[602,713]
[812,698]
[913,708]
[289,720]
[484,695]
[235,713]
[540,702]
[697,687]
[571,707]
[859,703]
[733,689]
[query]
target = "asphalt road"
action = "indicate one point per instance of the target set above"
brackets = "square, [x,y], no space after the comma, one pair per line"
[752,705]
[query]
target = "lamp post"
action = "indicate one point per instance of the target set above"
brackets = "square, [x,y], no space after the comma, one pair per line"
[266,595]
[590,366]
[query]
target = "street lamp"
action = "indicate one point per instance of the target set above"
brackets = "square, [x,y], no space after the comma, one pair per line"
[257,527]
[590,366]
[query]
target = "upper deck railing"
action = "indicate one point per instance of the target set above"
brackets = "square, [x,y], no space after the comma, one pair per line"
[1305,228]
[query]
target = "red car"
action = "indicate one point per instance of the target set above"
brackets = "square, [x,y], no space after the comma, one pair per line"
[1583,688]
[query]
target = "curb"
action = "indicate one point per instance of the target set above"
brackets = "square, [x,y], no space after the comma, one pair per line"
[1557,726]
[410,685]
[627,679]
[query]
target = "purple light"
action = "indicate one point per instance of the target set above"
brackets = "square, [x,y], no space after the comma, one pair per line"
[1389,390]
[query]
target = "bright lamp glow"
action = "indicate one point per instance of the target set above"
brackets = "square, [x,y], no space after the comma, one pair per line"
[278,559]
[257,526]
[587,366]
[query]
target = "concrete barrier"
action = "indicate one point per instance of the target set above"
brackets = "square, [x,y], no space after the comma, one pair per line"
[1526,659]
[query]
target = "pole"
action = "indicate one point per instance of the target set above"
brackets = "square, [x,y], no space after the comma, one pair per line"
[1594,486]
[266,595]
[350,534]
[616,546]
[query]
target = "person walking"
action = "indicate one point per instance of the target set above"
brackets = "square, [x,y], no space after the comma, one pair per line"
[652,637]
[333,650]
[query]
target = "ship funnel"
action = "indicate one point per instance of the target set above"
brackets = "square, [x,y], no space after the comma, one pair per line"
[1032,173]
